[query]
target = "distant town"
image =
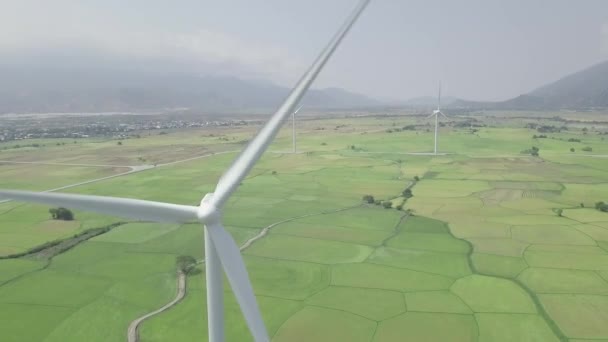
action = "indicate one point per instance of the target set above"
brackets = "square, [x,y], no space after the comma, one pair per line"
[78,128]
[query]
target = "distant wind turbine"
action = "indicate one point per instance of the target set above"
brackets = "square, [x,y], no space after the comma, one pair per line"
[436,113]
[220,249]
[293,127]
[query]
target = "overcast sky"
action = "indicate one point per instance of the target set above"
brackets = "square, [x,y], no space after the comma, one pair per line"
[479,49]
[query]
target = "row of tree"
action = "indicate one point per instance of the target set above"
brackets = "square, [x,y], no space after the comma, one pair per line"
[407,194]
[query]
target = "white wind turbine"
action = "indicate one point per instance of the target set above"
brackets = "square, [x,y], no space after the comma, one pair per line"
[220,249]
[436,113]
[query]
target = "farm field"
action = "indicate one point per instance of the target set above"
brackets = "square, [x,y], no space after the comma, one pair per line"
[494,245]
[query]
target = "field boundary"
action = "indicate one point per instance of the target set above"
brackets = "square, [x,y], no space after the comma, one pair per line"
[132,331]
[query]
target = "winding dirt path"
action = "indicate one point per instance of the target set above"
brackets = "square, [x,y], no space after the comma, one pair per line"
[132,333]
[133,169]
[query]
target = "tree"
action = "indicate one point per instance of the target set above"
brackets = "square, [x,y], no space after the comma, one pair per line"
[53,212]
[587,149]
[368,199]
[119,143]
[534,151]
[416,178]
[559,212]
[185,263]
[571,149]
[407,193]
[399,207]
[61,214]
[601,206]
[387,204]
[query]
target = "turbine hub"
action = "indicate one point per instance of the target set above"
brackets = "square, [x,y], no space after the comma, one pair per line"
[207,212]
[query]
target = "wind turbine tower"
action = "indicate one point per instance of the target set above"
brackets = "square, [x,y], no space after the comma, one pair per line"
[436,114]
[293,127]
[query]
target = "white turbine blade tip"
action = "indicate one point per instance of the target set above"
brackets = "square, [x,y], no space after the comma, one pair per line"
[234,267]
[122,207]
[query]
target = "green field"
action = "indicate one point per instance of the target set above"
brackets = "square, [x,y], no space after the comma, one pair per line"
[480,252]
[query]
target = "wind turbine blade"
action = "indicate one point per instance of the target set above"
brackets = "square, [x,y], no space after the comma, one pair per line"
[234,267]
[250,155]
[440,112]
[122,207]
[297,110]
[431,115]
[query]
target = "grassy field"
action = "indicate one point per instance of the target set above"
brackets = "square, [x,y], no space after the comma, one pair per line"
[484,253]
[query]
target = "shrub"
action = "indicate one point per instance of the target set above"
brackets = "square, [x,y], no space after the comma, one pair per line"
[185,263]
[407,193]
[572,149]
[368,199]
[532,151]
[587,149]
[61,214]
[387,204]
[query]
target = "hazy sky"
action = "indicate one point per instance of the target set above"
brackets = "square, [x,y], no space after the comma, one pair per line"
[480,49]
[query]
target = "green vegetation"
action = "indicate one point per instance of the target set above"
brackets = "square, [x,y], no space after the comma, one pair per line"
[368,199]
[61,214]
[185,263]
[601,206]
[500,248]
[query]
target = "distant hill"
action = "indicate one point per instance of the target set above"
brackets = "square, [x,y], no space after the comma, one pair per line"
[82,90]
[582,90]
[426,101]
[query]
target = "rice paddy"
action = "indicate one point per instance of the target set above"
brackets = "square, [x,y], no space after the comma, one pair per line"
[494,245]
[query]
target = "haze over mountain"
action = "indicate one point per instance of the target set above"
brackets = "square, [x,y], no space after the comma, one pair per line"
[426,101]
[35,90]
[584,89]
[505,48]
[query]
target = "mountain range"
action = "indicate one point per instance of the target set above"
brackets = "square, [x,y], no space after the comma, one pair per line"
[584,89]
[36,90]
[73,90]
